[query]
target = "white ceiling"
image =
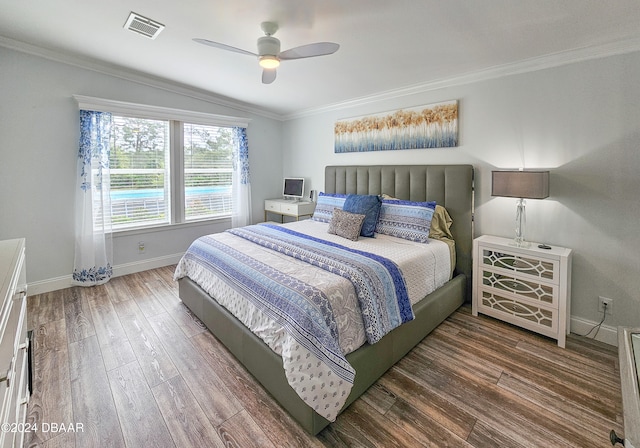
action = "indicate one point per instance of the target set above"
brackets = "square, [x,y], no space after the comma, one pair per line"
[385,45]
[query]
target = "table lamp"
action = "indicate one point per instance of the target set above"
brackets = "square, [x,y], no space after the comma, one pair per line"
[522,185]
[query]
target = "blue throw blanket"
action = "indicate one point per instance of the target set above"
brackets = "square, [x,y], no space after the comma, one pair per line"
[379,285]
[304,311]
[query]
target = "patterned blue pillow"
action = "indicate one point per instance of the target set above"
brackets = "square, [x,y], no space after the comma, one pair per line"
[325,205]
[406,219]
[364,204]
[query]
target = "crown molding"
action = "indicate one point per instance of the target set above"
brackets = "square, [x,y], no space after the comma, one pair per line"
[499,71]
[134,76]
[525,66]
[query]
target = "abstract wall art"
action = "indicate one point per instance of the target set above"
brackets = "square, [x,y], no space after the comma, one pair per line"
[431,126]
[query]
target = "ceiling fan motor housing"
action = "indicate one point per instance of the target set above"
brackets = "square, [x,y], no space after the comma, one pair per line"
[268,46]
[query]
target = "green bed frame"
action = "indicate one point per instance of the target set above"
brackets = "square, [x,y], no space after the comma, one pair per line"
[450,186]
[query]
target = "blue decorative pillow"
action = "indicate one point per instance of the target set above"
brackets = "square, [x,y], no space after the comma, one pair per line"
[406,219]
[325,205]
[368,205]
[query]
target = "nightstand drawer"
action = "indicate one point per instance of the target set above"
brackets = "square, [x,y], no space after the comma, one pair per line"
[528,267]
[526,315]
[536,291]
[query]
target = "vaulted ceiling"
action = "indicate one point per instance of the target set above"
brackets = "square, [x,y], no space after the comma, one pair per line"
[386,46]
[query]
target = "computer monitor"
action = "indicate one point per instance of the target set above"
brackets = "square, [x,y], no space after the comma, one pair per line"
[293,188]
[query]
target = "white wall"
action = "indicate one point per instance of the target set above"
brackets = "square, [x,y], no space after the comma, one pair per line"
[582,121]
[39,130]
[579,120]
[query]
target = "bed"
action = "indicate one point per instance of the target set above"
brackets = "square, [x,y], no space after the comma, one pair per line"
[450,186]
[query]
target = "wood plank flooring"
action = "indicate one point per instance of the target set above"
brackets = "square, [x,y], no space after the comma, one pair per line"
[130,366]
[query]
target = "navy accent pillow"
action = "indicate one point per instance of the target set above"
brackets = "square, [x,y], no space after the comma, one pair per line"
[368,205]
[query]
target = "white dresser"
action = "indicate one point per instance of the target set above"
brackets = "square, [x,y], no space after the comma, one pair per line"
[14,343]
[284,207]
[629,356]
[529,287]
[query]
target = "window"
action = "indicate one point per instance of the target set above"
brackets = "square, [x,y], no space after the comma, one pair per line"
[140,166]
[208,170]
[139,172]
[167,166]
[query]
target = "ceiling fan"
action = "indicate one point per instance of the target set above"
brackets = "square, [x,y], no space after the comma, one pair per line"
[269,54]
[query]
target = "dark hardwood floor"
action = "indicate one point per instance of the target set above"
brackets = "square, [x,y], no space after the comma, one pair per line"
[127,365]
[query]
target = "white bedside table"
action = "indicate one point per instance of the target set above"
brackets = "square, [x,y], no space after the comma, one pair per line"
[284,207]
[529,287]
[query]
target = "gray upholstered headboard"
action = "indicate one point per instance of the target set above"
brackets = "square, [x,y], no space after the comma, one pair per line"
[449,185]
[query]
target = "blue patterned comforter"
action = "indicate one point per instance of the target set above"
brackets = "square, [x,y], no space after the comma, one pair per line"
[379,284]
[314,364]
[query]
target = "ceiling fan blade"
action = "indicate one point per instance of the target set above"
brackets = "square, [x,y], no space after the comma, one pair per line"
[309,50]
[268,75]
[223,46]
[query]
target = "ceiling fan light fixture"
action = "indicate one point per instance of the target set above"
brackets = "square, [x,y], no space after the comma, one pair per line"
[269,61]
[269,54]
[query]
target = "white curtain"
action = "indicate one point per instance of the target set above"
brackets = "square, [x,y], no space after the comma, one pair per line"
[241,187]
[93,252]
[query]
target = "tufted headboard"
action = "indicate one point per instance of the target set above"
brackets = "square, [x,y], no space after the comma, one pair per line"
[449,185]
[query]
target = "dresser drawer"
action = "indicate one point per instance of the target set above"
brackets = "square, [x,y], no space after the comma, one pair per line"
[13,340]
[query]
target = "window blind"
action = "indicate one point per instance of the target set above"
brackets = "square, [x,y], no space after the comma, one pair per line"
[208,169]
[139,172]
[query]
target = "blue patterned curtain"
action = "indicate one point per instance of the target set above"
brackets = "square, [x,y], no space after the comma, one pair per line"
[241,186]
[93,252]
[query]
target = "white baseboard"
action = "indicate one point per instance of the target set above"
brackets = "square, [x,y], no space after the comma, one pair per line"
[139,266]
[54,284]
[51,284]
[606,334]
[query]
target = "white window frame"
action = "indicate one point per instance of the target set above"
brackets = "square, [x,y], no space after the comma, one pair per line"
[176,118]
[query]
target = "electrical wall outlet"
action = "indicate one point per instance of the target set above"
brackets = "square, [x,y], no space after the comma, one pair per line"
[141,247]
[601,303]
